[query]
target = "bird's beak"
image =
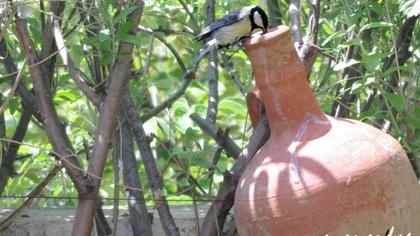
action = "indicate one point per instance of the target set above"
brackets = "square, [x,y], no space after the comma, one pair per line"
[264,30]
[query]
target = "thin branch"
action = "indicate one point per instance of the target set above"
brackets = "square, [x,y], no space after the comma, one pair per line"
[294,12]
[50,120]
[168,45]
[31,197]
[228,64]
[186,78]
[219,209]
[213,78]
[28,99]
[316,10]
[48,46]
[185,6]
[136,126]
[74,72]
[116,157]
[222,137]
[13,89]
[229,145]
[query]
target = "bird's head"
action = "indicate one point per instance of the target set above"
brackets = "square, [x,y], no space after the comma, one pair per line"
[259,19]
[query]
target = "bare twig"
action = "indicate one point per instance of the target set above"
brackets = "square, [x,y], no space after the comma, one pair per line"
[136,126]
[229,145]
[101,224]
[216,215]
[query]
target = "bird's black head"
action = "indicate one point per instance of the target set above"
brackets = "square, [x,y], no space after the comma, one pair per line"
[259,19]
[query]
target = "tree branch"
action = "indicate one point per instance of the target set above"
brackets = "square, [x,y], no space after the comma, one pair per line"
[50,120]
[118,80]
[28,99]
[229,145]
[213,99]
[316,10]
[7,169]
[139,217]
[216,215]
[47,45]
[184,5]
[228,64]
[136,126]
[74,72]
[294,12]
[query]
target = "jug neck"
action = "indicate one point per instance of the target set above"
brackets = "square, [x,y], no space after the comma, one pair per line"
[280,77]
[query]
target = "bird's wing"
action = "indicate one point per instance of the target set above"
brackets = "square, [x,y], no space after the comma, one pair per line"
[226,20]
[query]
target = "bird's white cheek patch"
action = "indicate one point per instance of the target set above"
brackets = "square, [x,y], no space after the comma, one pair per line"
[258,19]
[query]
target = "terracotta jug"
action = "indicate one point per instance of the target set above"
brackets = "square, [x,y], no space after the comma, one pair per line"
[318,175]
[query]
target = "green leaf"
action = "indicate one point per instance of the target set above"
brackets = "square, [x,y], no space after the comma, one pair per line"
[414,121]
[372,61]
[128,38]
[396,101]
[343,64]
[124,28]
[326,27]
[124,13]
[231,106]
[13,105]
[375,25]
[201,162]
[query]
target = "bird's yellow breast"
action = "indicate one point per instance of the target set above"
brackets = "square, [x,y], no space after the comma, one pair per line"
[232,33]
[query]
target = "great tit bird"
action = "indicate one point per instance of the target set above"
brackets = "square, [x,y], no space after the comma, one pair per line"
[231,29]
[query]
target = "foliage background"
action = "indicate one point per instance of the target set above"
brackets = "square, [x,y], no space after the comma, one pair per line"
[369,28]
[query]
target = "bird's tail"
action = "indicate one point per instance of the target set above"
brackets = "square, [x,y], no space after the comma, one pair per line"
[210,45]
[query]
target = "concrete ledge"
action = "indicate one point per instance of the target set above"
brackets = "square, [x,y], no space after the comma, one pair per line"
[59,221]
